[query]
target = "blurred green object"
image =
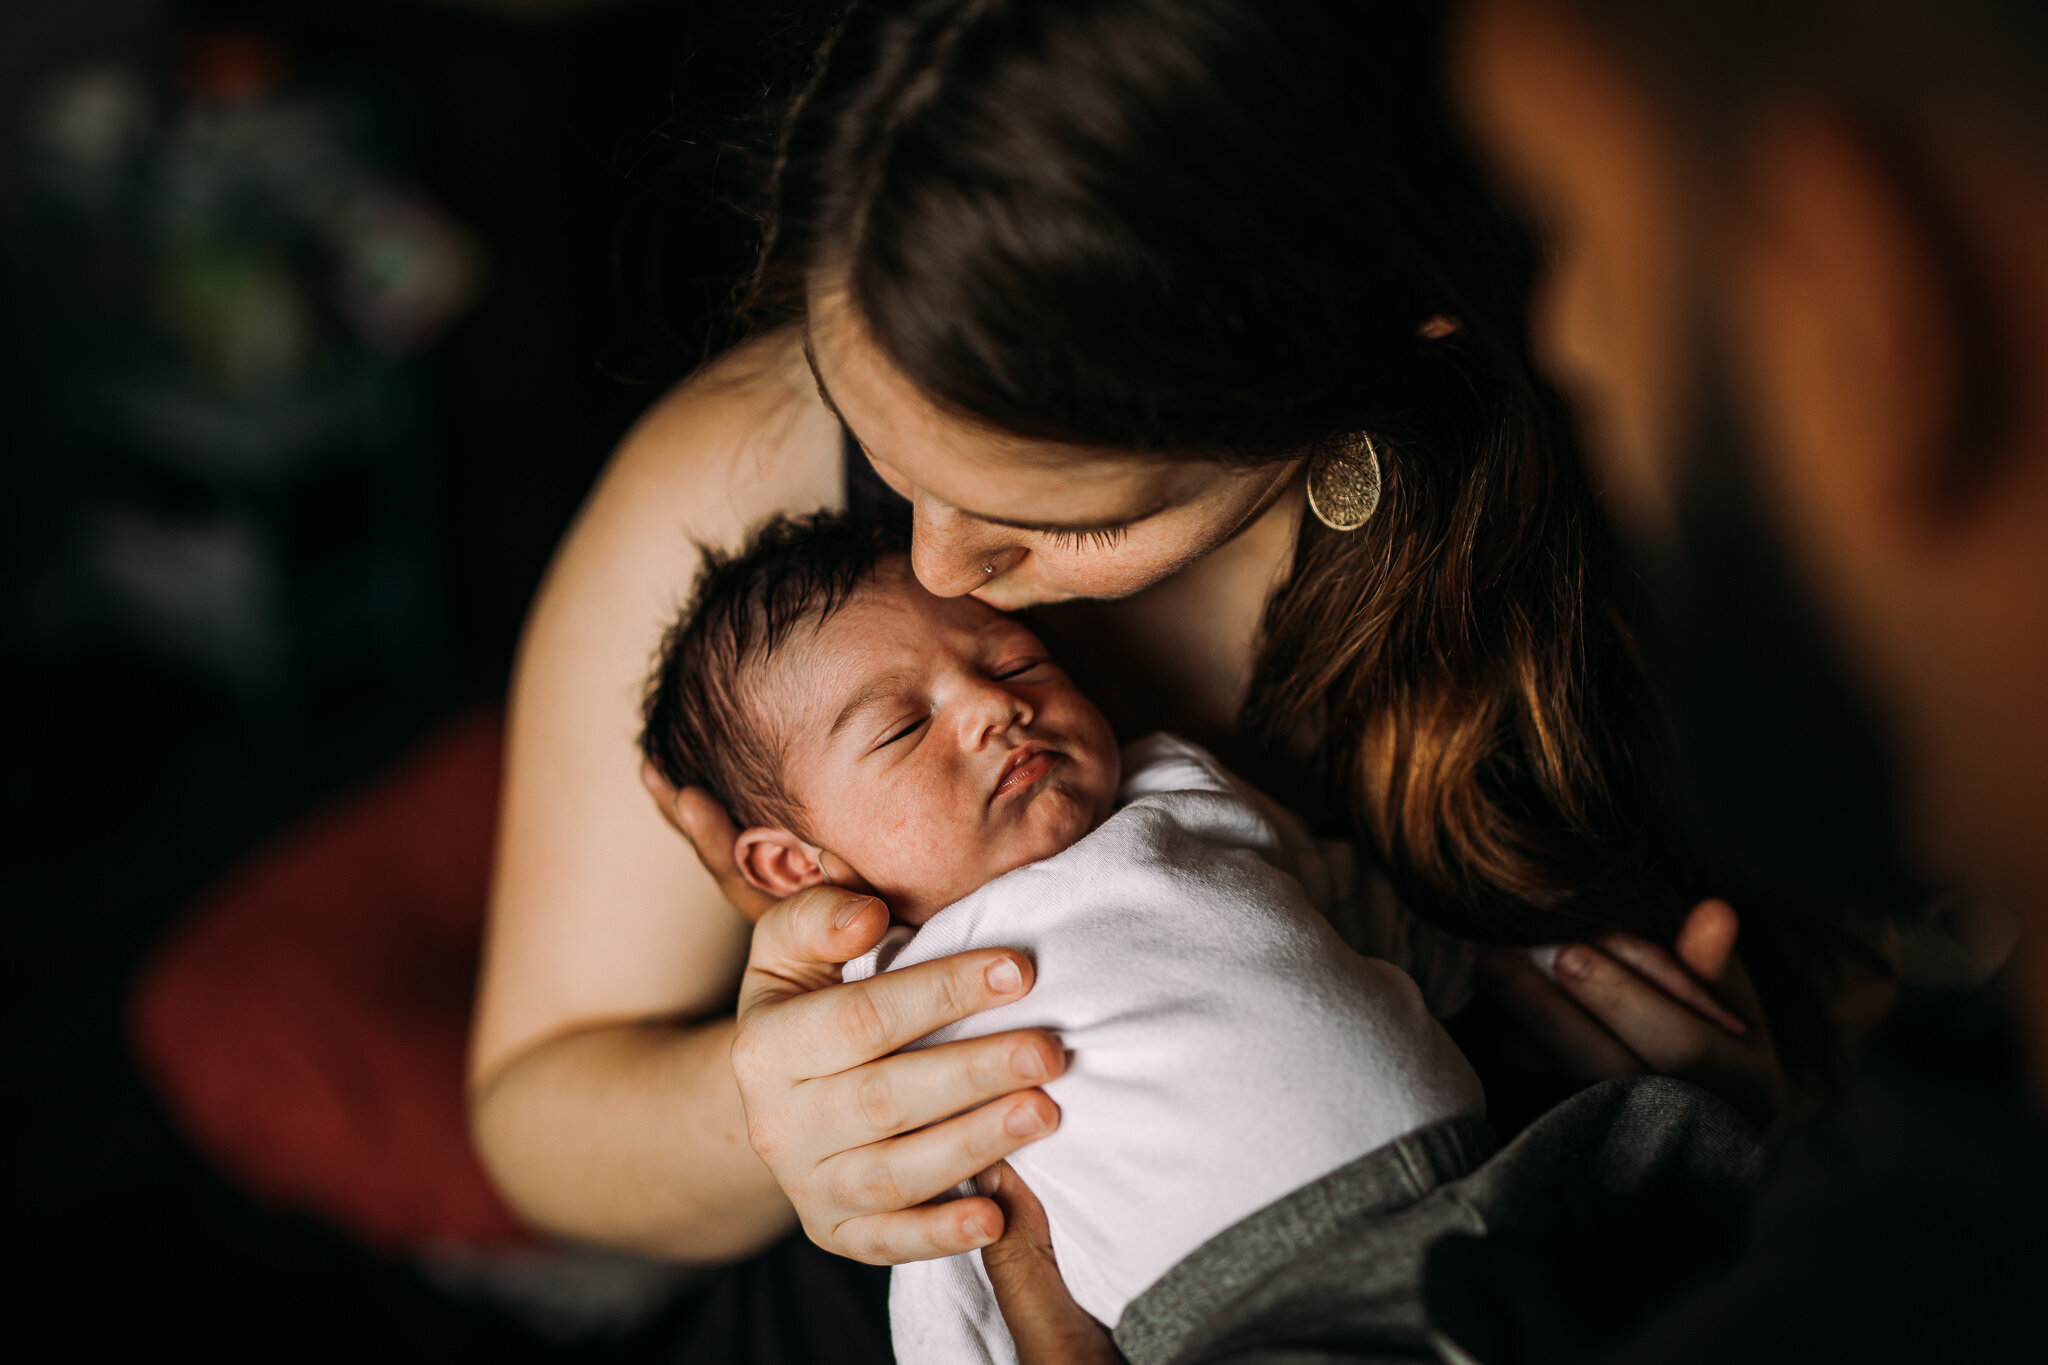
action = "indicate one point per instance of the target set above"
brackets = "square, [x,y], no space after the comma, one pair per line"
[238,288]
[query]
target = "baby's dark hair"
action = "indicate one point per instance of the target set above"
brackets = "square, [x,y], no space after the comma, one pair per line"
[701,725]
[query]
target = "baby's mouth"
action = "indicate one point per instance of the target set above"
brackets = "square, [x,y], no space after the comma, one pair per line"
[1026,765]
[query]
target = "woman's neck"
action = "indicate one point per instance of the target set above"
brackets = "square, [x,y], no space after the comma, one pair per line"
[1178,656]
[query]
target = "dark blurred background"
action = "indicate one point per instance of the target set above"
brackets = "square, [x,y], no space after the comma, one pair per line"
[319,319]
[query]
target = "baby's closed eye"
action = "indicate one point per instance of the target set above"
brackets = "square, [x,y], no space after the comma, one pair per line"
[907,729]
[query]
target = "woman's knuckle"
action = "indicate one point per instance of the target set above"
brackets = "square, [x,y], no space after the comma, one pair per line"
[885,1191]
[849,1181]
[865,1188]
[989,1141]
[842,1186]
[991,1066]
[746,1054]
[856,1241]
[764,1137]
[875,1103]
[866,1023]
[960,990]
[802,923]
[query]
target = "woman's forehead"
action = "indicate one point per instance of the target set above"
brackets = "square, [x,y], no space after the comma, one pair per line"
[1035,495]
[993,475]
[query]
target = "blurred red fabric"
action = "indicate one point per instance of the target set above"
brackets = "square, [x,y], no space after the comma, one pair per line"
[307,1025]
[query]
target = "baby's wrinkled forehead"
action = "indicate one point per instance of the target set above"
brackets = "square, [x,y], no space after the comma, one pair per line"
[885,625]
[885,630]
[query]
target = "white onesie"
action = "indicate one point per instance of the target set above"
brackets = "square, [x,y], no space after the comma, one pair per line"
[1226,1047]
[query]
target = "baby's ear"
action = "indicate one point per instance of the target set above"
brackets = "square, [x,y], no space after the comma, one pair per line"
[776,862]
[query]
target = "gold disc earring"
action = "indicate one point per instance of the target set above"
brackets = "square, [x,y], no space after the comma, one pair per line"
[1344,484]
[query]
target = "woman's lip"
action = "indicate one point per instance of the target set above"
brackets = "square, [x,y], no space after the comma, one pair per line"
[1022,775]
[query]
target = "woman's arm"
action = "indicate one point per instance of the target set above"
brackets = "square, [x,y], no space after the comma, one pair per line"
[603,1099]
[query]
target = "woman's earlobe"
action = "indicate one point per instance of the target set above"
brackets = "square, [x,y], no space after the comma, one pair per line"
[777,862]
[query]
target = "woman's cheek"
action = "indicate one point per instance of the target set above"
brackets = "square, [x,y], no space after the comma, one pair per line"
[1102,573]
[1054,574]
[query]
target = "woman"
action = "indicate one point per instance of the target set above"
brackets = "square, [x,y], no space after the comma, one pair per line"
[1107,290]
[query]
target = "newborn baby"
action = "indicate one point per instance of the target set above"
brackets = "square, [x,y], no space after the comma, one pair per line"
[1227,1047]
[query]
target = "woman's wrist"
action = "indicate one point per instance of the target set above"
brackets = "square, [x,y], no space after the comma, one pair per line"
[632,1135]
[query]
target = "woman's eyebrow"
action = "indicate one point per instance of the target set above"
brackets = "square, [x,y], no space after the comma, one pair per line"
[862,700]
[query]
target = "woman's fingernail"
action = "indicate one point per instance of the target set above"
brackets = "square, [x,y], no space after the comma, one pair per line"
[1574,962]
[850,912]
[1024,1122]
[979,1229]
[1026,1062]
[1003,977]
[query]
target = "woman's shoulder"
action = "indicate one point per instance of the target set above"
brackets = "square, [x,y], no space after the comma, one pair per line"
[742,439]
[745,436]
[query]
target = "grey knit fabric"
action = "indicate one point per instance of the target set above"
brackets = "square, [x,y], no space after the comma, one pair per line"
[1333,1271]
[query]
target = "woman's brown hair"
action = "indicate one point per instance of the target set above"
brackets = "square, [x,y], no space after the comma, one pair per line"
[1465,666]
[1222,229]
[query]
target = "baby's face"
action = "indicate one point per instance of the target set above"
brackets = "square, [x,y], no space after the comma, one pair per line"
[934,745]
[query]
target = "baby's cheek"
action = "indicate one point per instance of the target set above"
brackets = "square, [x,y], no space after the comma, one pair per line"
[917,848]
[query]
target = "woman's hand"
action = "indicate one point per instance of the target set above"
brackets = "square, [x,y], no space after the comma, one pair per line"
[1044,1321]
[1620,1006]
[842,1124]
[697,816]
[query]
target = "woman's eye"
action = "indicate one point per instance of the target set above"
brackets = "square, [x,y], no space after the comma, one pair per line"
[1100,538]
[1018,670]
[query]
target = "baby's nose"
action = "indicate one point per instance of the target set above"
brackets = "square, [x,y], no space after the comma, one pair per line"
[998,710]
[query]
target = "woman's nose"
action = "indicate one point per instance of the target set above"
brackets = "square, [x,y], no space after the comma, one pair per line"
[954,555]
